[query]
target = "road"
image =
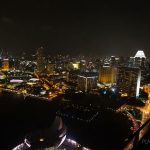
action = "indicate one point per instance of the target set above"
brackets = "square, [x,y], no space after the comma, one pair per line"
[145,114]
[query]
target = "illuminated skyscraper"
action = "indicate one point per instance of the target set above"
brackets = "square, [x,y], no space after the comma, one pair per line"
[5,65]
[113,60]
[128,81]
[107,74]
[50,68]
[139,59]
[131,62]
[40,60]
[4,61]
[140,54]
[87,81]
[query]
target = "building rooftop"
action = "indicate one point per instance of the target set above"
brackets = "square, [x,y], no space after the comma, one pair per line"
[140,54]
[88,74]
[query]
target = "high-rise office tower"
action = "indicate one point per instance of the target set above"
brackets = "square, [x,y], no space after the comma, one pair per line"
[5,65]
[113,60]
[87,81]
[128,80]
[131,62]
[139,59]
[40,60]
[4,61]
[50,68]
[107,74]
[140,62]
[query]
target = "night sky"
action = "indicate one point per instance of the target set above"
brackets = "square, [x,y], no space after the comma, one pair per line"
[75,27]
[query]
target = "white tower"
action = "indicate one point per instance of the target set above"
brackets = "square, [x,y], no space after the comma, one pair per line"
[139,59]
[140,54]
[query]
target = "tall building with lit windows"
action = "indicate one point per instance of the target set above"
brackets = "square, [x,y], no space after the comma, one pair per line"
[4,61]
[128,81]
[5,65]
[140,62]
[139,59]
[40,60]
[113,60]
[87,81]
[107,74]
[50,68]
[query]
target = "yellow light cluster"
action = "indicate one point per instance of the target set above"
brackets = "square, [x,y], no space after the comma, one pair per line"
[75,65]
[147,90]
[124,94]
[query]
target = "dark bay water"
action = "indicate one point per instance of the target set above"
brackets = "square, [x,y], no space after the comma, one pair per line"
[19,116]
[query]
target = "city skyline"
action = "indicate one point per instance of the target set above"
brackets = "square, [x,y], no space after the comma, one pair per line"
[74,75]
[71,27]
[86,92]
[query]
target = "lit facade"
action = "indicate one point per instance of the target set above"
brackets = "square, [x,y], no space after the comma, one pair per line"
[140,54]
[107,74]
[75,65]
[128,81]
[87,82]
[40,61]
[5,65]
[147,90]
[113,60]
[139,59]
[51,68]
